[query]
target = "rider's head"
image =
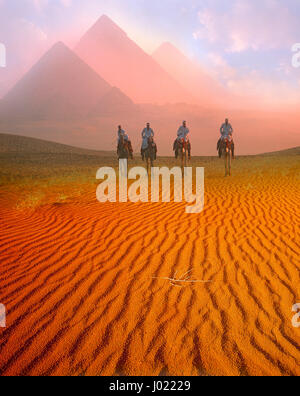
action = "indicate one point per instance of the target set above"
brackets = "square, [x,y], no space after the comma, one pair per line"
[226,121]
[184,124]
[120,127]
[148,125]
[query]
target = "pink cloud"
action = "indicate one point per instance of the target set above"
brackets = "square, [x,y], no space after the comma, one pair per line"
[249,25]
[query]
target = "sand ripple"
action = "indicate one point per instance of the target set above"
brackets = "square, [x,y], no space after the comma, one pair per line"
[77,280]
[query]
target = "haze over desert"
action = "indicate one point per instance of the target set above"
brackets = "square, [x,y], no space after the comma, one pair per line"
[149,190]
[78,281]
[79,97]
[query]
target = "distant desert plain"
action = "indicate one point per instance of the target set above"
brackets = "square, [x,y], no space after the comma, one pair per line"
[84,283]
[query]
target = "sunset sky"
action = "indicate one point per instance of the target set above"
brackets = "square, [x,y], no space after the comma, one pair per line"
[245,44]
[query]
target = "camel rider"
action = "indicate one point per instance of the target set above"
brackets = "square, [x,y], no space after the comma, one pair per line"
[183,132]
[146,134]
[226,131]
[121,132]
[126,139]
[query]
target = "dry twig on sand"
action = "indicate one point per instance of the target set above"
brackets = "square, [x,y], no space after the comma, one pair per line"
[182,280]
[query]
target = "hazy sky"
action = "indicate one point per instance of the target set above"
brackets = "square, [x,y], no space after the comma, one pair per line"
[245,43]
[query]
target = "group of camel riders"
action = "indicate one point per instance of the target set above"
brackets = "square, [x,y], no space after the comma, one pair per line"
[182,139]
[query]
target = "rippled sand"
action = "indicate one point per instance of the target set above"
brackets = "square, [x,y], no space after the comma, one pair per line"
[77,279]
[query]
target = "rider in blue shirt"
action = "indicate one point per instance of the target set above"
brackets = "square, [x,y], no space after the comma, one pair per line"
[146,134]
[226,130]
[121,132]
[183,132]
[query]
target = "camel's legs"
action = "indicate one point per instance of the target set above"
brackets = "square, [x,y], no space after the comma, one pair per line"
[229,162]
[225,162]
[183,160]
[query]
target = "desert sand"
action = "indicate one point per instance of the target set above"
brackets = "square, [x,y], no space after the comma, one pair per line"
[77,278]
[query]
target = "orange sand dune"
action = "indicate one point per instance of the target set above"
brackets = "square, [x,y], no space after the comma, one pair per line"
[77,281]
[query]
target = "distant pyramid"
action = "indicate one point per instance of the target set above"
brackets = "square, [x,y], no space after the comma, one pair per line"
[121,62]
[59,85]
[114,103]
[192,76]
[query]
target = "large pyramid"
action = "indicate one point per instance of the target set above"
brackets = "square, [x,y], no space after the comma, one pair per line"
[121,62]
[191,75]
[59,85]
